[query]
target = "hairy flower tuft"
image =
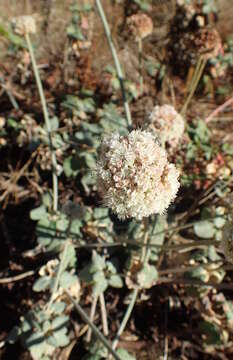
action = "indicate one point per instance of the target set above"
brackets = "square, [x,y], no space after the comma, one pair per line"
[167,124]
[134,175]
[140,26]
[24,24]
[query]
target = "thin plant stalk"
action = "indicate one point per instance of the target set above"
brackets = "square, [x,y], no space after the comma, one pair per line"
[47,120]
[125,318]
[95,330]
[145,248]
[60,269]
[194,282]
[139,41]
[180,270]
[194,84]
[194,76]
[92,315]
[164,248]
[103,314]
[219,109]
[116,61]
[144,258]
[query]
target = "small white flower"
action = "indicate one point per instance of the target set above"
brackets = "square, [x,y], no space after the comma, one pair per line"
[134,175]
[167,124]
[24,24]
[140,25]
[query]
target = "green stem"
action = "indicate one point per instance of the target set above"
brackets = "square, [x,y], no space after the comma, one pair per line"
[164,248]
[60,269]
[47,121]
[144,259]
[116,61]
[95,330]
[180,269]
[194,282]
[126,318]
[92,315]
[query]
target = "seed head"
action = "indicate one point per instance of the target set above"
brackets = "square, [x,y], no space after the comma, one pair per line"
[24,24]
[167,124]
[134,175]
[208,43]
[140,25]
[227,241]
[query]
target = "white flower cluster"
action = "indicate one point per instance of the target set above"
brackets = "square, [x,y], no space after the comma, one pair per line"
[24,24]
[134,175]
[167,124]
[227,241]
[140,25]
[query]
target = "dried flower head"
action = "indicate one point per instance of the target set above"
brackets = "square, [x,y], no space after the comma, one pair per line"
[205,42]
[167,124]
[134,175]
[140,25]
[24,25]
[227,241]
[208,42]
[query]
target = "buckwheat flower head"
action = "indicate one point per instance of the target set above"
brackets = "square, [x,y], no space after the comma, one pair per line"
[227,241]
[134,176]
[140,25]
[167,124]
[24,24]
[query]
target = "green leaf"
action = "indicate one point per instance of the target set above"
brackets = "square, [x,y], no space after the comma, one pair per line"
[74,31]
[124,355]
[76,226]
[42,283]
[219,222]
[62,223]
[38,213]
[98,263]
[111,120]
[199,273]
[61,339]
[204,229]
[54,123]
[147,277]
[67,280]
[47,200]
[36,344]
[115,281]
[59,322]
[100,283]
[46,326]
[58,307]
[89,160]
[100,213]
[13,123]
[70,258]
[71,166]
[88,180]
